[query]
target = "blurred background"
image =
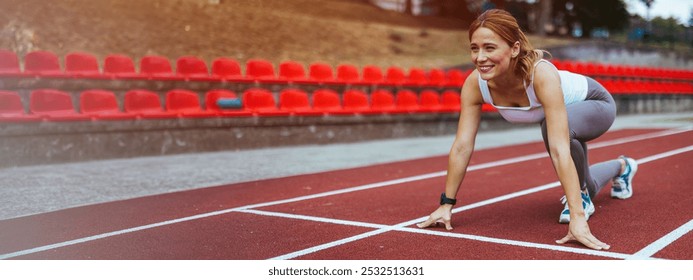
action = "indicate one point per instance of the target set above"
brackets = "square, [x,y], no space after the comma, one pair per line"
[404,33]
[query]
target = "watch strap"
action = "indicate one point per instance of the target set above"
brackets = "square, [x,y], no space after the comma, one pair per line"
[445,200]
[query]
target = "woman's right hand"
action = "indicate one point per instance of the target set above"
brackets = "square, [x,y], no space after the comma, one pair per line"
[441,215]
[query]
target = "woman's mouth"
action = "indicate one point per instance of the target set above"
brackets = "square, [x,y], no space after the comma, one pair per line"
[485,68]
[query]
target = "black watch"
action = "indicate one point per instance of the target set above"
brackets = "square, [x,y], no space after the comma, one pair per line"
[445,200]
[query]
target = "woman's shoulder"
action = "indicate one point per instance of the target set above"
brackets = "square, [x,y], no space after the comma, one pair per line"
[472,80]
[544,69]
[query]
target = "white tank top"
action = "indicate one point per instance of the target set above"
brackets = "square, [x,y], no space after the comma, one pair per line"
[574,87]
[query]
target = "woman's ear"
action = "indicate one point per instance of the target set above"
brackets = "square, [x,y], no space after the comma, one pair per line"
[516,49]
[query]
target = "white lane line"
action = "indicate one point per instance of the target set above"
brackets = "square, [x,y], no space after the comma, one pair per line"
[460,209]
[663,242]
[559,248]
[400,227]
[363,187]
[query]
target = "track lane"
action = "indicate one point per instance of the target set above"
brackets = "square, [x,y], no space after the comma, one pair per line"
[399,171]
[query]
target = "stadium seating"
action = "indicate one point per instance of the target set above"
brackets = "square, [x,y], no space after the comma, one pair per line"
[326,101]
[455,78]
[295,102]
[82,65]
[356,102]
[12,109]
[292,71]
[192,68]
[145,104]
[261,102]
[450,101]
[394,76]
[213,96]
[372,75]
[321,72]
[156,67]
[430,101]
[227,69]
[9,64]
[383,101]
[102,105]
[416,77]
[260,70]
[42,63]
[119,66]
[407,101]
[185,103]
[347,74]
[54,105]
[436,77]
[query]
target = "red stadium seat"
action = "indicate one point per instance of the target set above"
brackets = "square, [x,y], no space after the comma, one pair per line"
[261,102]
[42,63]
[9,63]
[395,76]
[347,73]
[213,96]
[79,64]
[295,102]
[185,103]
[455,78]
[383,101]
[54,105]
[327,101]
[227,69]
[417,77]
[102,104]
[292,71]
[119,66]
[156,67]
[450,100]
[321,72]
[145,104]
[436,77]
[12,109]
[192,68]
[356,102]
[430,101]
[407,101]
[372,75]
[260,70]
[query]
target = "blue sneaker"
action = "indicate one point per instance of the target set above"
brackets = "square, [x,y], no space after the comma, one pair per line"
[586,204]
[622,185]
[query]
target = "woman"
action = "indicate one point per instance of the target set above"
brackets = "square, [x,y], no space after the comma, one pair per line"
[572,109]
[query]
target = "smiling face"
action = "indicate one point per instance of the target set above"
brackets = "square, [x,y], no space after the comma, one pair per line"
[491,54]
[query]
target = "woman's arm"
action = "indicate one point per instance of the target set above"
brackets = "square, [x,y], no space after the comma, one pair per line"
[462,148]
[467,127]
[547,86]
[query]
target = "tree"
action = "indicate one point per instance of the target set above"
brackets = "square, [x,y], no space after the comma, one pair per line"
[544,16]
[609,14]
[408,7]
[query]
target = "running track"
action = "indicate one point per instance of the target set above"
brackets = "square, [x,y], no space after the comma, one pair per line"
[507,209]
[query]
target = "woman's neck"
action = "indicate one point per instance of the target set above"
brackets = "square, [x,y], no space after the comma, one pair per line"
[508,81]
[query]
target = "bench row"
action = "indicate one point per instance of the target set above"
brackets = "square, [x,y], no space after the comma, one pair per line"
[117,66]
[56,105]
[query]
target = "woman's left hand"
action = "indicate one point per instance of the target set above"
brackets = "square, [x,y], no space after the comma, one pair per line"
[578,230]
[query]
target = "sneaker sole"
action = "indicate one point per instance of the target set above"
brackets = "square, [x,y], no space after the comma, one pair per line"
[634,168]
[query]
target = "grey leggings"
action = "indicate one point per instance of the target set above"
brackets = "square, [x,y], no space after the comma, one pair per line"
[588,120]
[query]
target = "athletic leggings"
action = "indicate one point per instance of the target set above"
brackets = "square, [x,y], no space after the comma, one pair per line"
[588,120]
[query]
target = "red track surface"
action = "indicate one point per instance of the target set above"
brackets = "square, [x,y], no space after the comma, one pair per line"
[252,221]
